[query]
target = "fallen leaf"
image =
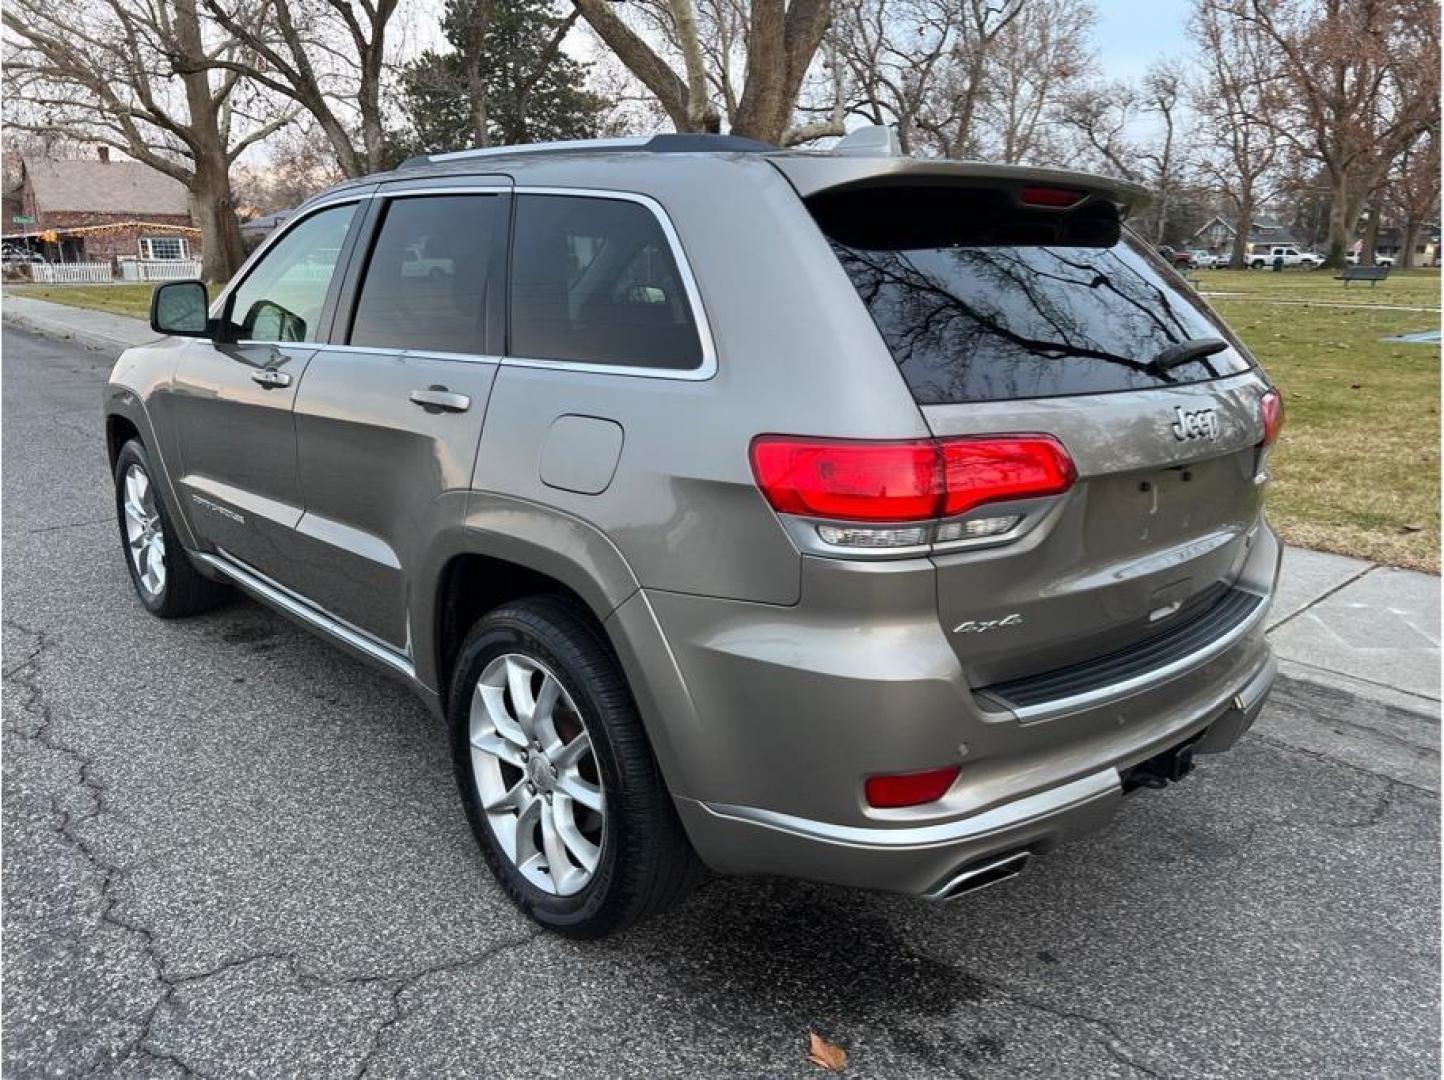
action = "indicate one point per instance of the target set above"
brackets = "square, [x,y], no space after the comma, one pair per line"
[1412,528]
[824,1054]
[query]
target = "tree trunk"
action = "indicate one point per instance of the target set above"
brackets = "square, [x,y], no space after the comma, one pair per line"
[1371,239]
[1404,260]
[1341,224]
[213,212]
[1243,227]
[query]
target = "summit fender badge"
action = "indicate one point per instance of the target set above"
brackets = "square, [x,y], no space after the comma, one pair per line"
[982,626]
[1200,424]
[217,508]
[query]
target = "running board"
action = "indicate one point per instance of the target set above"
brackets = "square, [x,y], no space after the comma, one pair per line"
[307,613]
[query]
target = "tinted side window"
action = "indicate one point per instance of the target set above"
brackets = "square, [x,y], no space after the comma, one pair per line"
[593,280]
[427,279]
[281,298]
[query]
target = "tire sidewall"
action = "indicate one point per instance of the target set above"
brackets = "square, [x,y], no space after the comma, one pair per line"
[513,632]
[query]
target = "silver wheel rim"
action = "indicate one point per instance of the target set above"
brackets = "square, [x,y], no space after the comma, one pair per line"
[145,538]
[537,775]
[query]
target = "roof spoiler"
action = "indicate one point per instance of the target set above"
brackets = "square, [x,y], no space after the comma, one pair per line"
[872,157]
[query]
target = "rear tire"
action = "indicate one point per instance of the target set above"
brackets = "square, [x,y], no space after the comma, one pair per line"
[165,580]
[536,680]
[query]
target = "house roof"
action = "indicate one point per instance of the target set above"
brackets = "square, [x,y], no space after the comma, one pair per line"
[104,187]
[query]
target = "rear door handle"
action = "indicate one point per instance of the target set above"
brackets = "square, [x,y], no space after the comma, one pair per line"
[437,399]
[270,378]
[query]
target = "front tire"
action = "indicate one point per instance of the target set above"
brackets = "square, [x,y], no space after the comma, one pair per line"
[161,571]
[556,774]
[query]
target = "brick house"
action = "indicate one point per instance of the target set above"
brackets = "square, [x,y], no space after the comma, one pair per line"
[98,210]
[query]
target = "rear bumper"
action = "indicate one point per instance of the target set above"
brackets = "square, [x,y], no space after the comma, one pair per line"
[924,859]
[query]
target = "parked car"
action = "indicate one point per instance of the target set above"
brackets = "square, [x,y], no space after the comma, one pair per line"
[1353,258]
[735,507]
[1179,260]
[19,256]
[1204,260]
[1261,256]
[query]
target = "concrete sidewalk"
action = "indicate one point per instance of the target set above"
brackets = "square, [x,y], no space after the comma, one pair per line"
[1343,626]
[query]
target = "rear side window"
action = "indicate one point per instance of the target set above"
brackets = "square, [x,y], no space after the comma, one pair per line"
[980,300]
[428,277]
[593,281]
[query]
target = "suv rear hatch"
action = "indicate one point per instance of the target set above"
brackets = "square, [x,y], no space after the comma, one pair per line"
[1013,302]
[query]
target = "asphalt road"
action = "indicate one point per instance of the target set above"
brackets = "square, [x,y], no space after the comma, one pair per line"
[231,851]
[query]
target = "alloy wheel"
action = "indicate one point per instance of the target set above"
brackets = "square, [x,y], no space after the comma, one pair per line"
[145,536]
[537,774]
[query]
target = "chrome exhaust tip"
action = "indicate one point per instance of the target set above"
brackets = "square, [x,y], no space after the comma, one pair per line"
[980,875]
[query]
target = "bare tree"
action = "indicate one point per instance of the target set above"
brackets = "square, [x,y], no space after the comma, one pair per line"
[1237,100]
[328,56]
[1411,193]
[775,47]
[1038,58]
[1362,78]
[139,77]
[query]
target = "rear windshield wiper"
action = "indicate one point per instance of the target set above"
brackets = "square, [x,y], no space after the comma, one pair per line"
[1186,351]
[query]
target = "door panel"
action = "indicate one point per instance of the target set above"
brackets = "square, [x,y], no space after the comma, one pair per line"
[387,425]
[374,467]
[238,447]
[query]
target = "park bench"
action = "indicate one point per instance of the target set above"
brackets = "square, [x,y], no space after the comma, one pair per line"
[1372,274]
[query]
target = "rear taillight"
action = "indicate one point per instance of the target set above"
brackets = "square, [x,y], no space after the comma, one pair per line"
[917,480]
[891,791]
[1271,410]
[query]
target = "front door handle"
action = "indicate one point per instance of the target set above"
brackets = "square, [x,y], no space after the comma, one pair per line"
[271,379]
[435,399]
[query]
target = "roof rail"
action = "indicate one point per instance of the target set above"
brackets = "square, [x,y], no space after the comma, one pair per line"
[680,143]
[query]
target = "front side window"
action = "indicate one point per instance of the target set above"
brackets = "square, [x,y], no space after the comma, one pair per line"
[427,279]
[594,281]
[282,297]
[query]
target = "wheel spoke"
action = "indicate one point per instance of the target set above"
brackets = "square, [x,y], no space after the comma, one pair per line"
[544,727]
[567,756]
[558,865]
[523,705]
[522,842]
[492,703]
[514,798]
[583,850]
[582,791]
[489,742]
[134,515]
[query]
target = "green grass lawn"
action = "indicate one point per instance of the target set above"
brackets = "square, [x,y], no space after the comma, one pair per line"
[125,298]
[1357,468]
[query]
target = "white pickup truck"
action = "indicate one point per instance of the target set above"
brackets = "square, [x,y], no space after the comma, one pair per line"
[1263,255]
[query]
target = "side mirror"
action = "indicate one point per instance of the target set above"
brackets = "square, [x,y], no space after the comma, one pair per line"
[181,308]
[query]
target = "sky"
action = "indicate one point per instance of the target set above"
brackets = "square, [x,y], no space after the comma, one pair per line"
[1131,34]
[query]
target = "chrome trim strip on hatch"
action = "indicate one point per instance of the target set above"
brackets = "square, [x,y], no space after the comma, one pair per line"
[307,613]
[1049,710]
[1010,814]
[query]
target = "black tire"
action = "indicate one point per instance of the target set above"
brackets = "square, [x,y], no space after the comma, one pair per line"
[185,591]
[646,863]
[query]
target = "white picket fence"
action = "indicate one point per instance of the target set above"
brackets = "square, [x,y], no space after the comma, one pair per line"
[159,270]
[70,273]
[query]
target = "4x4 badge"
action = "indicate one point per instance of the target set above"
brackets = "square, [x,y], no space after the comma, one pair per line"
[982,626]
[1200,424]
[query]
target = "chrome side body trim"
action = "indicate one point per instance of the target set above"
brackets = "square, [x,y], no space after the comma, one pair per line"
[1008,815]
[312,616]
[1049,710]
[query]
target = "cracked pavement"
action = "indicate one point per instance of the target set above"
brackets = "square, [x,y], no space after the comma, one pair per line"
[231,851]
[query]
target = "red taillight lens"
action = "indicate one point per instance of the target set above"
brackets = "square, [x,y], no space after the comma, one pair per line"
[849,481]
[1049,196]
[844,480]
[978,471]
[1271,409]
[909,789]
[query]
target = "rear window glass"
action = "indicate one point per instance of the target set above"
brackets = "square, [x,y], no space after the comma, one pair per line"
[593,281]
[981,301]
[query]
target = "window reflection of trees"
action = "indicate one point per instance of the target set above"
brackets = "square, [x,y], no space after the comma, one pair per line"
[993,323]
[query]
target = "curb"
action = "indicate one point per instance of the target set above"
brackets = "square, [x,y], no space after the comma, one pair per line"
[57,329]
